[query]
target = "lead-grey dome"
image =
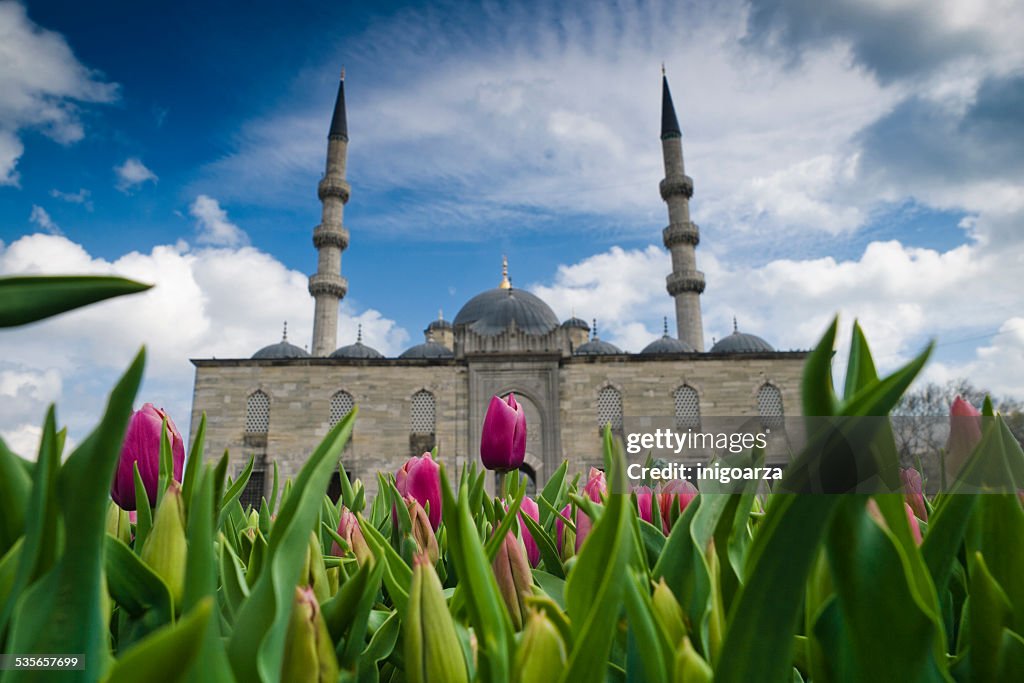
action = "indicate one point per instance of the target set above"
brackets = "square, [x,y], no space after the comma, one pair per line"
[489,313]
[576,323]
[357,350]
[667,344]
[741,342]
[430,349]
[281,349]
[597,347]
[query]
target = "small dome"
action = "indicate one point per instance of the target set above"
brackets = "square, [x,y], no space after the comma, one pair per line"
[281,349]
[741,342]
[430,349]
[491,312]
[439,324]
[575,323]
[667,344]
[597,347]
[357,350]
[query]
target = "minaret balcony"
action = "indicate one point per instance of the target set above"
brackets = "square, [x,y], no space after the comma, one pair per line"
[675,186]
[333,187]
[330,236]
[329,284]
[681,233]
[685,281]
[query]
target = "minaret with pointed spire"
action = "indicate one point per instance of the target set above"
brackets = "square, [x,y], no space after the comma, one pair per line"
[681,237]
[330,238]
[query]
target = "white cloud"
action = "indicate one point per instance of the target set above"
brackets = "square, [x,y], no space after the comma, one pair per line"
[81,197]
[131,174]
[40,217]
[23,439]
[42,84]
[213,225]
[207,302]
[995,367]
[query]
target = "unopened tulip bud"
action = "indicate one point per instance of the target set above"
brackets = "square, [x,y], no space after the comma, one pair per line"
[503,438]
[964,435]
[118,523]
[422,532]
[677,494]
[913,492]
[690,666]
[142,445]
[308,650]
[668,612]
[542,654]
[420,477]
[529,506]
[433,653]
[566,537]
[165,549]
[645,504]
[512,570]
[348,529]
[596,485]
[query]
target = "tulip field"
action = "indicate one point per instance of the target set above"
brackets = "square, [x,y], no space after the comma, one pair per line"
[134,558]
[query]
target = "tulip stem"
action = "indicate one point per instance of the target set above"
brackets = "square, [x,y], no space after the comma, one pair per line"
[499,484]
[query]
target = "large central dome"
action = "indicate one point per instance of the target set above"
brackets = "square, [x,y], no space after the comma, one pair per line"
[489,313]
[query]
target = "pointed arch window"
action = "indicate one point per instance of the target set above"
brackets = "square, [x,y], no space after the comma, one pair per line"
[257,413]
[769,406]
[609,408]
[687,408]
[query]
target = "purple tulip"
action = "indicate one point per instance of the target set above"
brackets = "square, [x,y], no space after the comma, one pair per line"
[420,478]
[913,492]
[529,506]
[678,492]
[645,503]
[503,440]
[142,446]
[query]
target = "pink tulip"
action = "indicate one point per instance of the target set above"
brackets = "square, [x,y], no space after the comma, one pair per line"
[678,492]
[645,503]
[142,445]
[348,529]
[913,492]
[529,506]
[915,527]
[964,435]
[596,486]
[420,478]
[503,439]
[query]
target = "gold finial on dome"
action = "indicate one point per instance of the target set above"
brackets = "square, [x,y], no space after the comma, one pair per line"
[505,282]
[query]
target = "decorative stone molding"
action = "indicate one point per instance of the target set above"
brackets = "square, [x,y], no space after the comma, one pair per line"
[330,236]
[685,281]
[676,185]
[327,283]
[680,233]
[333,187]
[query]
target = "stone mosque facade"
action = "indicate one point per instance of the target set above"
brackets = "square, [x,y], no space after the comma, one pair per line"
[279,404]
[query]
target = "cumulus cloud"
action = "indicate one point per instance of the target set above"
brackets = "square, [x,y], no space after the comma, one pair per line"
[213,225]
[995,366]
[41,218]
[131,174]
[43,86]
[207,302]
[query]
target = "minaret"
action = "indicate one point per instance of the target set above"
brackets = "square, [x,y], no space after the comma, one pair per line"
[681,236]
[330,238]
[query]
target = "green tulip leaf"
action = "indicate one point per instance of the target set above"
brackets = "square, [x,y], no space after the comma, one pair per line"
[133,585]
[166,655]
[28,298]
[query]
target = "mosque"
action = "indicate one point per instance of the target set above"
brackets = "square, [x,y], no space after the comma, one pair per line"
[278,404]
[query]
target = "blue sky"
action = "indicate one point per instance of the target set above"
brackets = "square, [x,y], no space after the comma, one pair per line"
[861,158]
